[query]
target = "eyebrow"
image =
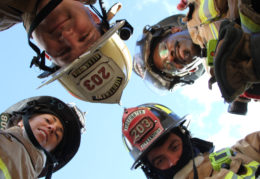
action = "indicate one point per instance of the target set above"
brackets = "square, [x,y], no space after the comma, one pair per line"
[159,156]
[173,143]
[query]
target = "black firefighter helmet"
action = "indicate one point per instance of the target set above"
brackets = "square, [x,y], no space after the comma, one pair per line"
[72,119]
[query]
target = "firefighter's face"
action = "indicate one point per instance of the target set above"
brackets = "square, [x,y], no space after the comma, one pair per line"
[175,51]
[168,154]
[67,32]
[47,130]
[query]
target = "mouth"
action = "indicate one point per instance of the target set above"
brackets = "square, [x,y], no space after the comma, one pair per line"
[44,133]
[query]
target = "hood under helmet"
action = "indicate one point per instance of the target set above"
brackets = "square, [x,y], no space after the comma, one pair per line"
[69,115]
[155,122]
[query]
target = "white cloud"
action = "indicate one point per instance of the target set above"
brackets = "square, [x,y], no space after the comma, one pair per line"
[233,127]
[200,91]
[170,7]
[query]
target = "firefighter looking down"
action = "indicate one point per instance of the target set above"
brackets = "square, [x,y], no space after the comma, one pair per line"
[38,136]
[163,148]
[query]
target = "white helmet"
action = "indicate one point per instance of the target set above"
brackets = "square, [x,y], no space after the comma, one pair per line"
[101,73]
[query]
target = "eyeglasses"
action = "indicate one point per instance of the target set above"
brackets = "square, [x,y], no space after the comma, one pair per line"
[164,53]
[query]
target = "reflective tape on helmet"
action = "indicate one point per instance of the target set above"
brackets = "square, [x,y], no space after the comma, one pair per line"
[250,172]
[168,111]
[247,24]
[4,173]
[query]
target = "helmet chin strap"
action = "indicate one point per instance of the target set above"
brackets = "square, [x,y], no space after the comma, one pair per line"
[39,60]
[32,138]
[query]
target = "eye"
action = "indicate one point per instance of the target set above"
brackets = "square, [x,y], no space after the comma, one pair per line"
[47,120]
[64,51]
[174,146]
[81,39]
[57,135]
[159,162]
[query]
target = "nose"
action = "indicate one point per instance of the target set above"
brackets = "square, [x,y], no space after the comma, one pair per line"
[172,160]
[69,37]
[52,128]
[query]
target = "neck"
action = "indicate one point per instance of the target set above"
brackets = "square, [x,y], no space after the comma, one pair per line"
[188,168]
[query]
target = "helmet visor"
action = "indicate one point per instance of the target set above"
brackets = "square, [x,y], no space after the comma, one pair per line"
[173,63]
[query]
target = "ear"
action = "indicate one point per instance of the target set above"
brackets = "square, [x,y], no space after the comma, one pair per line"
[175,29]
[20,123]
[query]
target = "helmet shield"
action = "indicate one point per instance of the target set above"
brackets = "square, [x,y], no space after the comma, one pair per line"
[158,80]
[68,115]
[101,74]
[143,126]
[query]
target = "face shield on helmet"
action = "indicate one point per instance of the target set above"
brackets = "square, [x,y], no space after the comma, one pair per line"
[101,73]
[170,76]
[143,126]
[72,119]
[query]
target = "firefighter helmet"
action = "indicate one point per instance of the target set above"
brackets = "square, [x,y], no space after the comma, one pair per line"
[72,119]
[143,60]
[144,125]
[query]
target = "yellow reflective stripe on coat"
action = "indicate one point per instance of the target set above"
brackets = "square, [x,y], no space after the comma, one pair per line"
[207,11]
[248,25]
[250,172]
[208,14]
[4,173]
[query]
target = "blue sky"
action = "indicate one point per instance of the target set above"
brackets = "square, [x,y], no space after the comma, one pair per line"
[102,153]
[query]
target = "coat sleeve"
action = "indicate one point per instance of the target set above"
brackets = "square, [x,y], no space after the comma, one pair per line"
[8,16]
[249,146]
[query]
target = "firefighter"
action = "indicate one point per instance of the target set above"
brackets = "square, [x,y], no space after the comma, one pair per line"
[151,47]
[232,24]
[166,56]
[163,148]
[38,135]
[68,30]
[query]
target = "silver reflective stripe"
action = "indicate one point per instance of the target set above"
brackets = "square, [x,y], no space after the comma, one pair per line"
[206,10]
[2,174]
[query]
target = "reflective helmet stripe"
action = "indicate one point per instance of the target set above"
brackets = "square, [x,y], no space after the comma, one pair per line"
[250,172]
[4,173]
[207,11]
[168,111]
[247,24]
